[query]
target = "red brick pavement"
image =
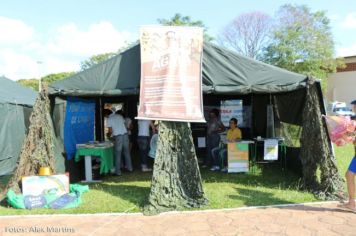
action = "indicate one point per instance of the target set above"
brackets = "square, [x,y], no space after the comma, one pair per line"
[309,219]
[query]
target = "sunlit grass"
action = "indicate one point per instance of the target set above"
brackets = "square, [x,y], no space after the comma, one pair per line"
[129,192]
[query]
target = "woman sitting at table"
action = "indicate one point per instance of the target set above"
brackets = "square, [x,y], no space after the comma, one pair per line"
[220,153]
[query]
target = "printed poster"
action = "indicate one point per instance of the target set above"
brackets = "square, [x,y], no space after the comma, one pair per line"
[238,157]
[171,84]
[270,150]
[231,109]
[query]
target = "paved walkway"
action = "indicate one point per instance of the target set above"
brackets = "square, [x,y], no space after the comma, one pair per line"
[314,219]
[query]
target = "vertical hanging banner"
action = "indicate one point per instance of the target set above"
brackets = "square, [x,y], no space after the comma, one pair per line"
[78,124]
[171,84]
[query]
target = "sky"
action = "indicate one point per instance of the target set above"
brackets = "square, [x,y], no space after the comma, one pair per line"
[41,37]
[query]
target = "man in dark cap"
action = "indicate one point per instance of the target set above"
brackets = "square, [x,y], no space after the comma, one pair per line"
[350,175]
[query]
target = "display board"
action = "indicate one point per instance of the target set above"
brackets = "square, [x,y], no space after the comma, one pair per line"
[238,157]
[270,150]
[231,109]
[38,185]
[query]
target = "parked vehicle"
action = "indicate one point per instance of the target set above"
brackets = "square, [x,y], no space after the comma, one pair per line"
[339,109]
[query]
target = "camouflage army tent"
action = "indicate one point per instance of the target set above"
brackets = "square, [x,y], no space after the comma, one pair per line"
[297,99]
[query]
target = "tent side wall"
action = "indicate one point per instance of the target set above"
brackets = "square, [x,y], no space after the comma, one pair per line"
[12,134]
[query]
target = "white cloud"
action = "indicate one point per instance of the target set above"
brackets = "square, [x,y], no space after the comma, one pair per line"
[350,21]
[346,51]
[14,31]
[56,65]
[16,65]
[99,38]
[334,17]
[60,49]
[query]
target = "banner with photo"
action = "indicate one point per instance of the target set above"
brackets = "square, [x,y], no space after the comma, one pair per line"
[171,84]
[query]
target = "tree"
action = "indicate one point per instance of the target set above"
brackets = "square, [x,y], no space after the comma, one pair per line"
[93,60]
[50,78]
[248,34]
[302,42]
[31,83]
[179,20]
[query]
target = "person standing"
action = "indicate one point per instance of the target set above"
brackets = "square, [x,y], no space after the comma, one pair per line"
[143,139]
[117,128]
[350,175]
[129,127]
[215,127]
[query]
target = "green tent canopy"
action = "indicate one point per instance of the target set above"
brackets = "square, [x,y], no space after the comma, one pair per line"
[224,72]
[295,99]
[16,104]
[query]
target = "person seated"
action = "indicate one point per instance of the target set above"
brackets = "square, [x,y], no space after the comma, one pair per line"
[219,154]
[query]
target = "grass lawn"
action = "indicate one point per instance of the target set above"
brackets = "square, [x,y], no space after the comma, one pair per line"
[129,192]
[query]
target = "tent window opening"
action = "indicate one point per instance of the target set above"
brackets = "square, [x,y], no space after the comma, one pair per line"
[291,134]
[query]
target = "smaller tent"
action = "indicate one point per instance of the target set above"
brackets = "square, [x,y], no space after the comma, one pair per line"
[16,103]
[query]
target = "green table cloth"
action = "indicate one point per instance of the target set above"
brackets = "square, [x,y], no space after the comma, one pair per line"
[106,155]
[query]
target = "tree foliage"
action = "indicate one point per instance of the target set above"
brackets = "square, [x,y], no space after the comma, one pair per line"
[50,78]
[247,34]
[302,42]
[30,83]
[93,60]
[179,20]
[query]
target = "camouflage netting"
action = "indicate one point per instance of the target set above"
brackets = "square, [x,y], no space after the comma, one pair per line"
[316,151]
[176,181]
[38,149]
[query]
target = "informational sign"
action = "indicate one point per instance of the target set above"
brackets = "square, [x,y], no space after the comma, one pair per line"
[237,154]
[34,201]
[201,142]
[171,84]
[231,109]
[78,124]
[270,150]
[41,185]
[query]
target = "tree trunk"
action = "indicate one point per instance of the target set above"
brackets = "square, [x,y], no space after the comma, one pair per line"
[176,181]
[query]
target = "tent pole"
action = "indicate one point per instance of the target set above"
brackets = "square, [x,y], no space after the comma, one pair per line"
[252,118]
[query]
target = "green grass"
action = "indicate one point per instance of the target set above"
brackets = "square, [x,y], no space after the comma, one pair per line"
[343,158]
[129,192]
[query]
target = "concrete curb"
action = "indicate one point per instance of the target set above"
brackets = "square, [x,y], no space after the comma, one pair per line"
[173,212]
